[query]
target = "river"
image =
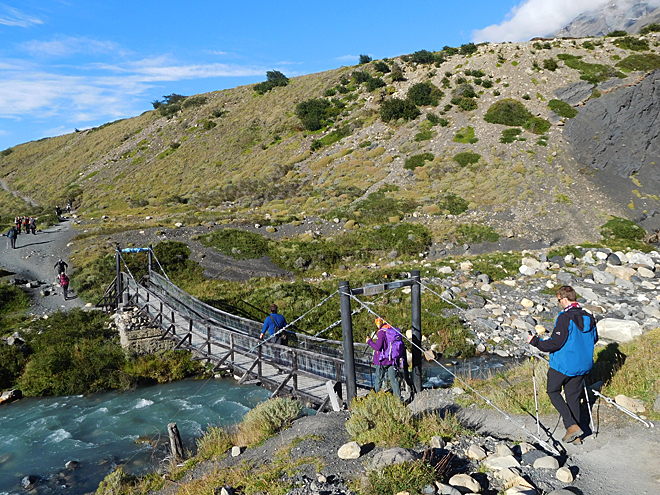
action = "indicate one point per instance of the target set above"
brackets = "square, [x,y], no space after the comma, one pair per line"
[39,435]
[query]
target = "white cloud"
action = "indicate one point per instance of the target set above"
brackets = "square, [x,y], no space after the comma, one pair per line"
[68,45]
[9,16]
[347,58]
[535,18]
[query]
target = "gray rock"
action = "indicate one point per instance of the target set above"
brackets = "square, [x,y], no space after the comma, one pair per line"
[390,457]
[447,489]
[604,278]
[429,490]
[565,278]
[618,330]
[484,278]
[626,284]
[350,450]
[465,481]
[531,456]
[437,443]
[392,254]
[546,462]
[497,463]
[575,93]
[72,465]
[503,450]
[475,301]
[559,260]
[564,475]
[613,259]
[476,452]
[561,491]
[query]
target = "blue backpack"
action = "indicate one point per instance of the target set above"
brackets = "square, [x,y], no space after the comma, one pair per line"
[394,347]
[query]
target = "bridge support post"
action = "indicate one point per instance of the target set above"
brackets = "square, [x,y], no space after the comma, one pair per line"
[416,321]
[347,335]
[120,289]
[150,258]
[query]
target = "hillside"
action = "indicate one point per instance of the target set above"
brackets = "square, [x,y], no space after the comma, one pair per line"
[237,155]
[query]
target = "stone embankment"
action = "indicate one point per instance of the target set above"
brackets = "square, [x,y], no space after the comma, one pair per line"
[137,335]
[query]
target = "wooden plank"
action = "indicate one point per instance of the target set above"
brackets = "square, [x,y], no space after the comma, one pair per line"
[254,363]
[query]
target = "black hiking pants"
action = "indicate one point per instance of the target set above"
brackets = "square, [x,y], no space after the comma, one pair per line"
[569,409]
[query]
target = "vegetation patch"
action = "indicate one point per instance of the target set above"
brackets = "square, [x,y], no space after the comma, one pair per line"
[274,78]
[466,158]
[508,112]
[594,73]
[317,112]
[622,229]
[510,135]
[333,137]
[562,109]
[417,160]
[644,62]
[498,266]
[239,244]
[396,108]
[537,125]
[631,43]
[465,136]
[406,477]
[454,204]
[474,233]
[426,93]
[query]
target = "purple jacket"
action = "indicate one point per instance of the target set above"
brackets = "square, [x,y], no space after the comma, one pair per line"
[379,345]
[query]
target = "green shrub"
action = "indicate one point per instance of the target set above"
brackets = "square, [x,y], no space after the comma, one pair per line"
[498,266]
[365,59]
[271,416]
[594,73]
[454,204]
[314,113]
[510,135]
[238,244]
[381,66]
[466,158]
[422,57]
[644,62]
[487,83]
[274,79]
[361,76]
[215,442]
[526,97]
[169,106]
[622,229]
[562,109]
[423,136]
[651,28]
[467,104]
[396,108]
[375,83]
[12,363]
[409,477]
[433,118]
[508,112]
[464,90]
[330,92]
[425,93]
[475,234]
[333,137]
[7,152]
[468,49]
[12,300]
[632,43]
[381,418]
[550,64]
[417,160]
[616,34]
[537,125]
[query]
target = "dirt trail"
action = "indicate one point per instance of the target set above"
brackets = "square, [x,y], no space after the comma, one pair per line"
[34,259]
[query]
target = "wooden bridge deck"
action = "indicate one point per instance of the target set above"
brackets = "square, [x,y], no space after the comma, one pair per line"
[284,370]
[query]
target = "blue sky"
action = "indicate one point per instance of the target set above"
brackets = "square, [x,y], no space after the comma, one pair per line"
[67,64]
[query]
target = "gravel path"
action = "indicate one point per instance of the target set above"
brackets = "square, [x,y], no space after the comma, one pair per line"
[32,263]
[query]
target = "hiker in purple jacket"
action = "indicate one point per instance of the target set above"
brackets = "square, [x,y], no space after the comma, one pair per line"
[381,361]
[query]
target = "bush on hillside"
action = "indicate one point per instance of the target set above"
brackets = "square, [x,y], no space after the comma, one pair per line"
[510,135]
[417,160]
[313,113]
[375,83]
[562,109]
[361,76]
[537,125]
[466,158]
[475,234]
[365,59]
[632,43]
[381,66]
[422,57]
[594,73]
[274,78]
[454,204]
[616,34]
[396,108]
[508,112]
[550,64]
[270,417]
[622,229]
[425,93]
[466,104]
[468,49]
[382,418]
[464,90]
[194,101]
[239,244]
[12,362]
[651,28]
[644,62]
[169,105]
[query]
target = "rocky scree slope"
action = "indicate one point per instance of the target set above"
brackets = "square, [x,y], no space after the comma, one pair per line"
[235,150]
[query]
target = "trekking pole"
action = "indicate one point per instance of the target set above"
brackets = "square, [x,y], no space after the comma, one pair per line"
[591,416]
[536,400]
[648,424]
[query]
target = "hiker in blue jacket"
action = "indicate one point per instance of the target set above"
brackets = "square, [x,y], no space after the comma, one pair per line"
[571,348]
[382,362]
[273,323]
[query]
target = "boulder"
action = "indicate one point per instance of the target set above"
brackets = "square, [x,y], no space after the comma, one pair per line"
[507,474]
[645,272]
[546,462]
[466,266]
[633,405]
[475,452]
[350,450]
[565,278]
[496,463]
[641,259]
[618,330]
[613,259]
[532,263]
[236,451]
[444,269]
[604,278]
[446,489]
[626,284]
[526,303]
[564,475]
[390,457]
[437,443]
[10,396]
[527,270]
[465,481]
[623,272]
[503,450]
[559,260]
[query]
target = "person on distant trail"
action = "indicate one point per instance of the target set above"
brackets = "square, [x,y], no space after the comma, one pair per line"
[61,267]
[383,361]
[18,223]
[68,207]
[26,224]
[12,233]
[273,323]
[33,225]
[571,348]
[64,283]
[58,211]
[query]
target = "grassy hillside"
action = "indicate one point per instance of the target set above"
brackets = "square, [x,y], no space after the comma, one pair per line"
[483,126]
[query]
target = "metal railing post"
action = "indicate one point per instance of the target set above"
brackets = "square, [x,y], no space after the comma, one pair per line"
[416,322]
[347,334]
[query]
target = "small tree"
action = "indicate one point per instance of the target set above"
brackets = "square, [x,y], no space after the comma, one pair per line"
[365,59]
[396,108]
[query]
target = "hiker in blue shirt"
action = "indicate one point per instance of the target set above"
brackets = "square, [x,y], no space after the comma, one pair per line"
[273,323]
[571,348]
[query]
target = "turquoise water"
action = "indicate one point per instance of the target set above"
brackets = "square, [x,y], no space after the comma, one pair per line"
[39,435]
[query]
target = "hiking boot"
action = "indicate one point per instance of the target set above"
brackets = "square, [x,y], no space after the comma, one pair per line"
[577,441]
[572,433]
